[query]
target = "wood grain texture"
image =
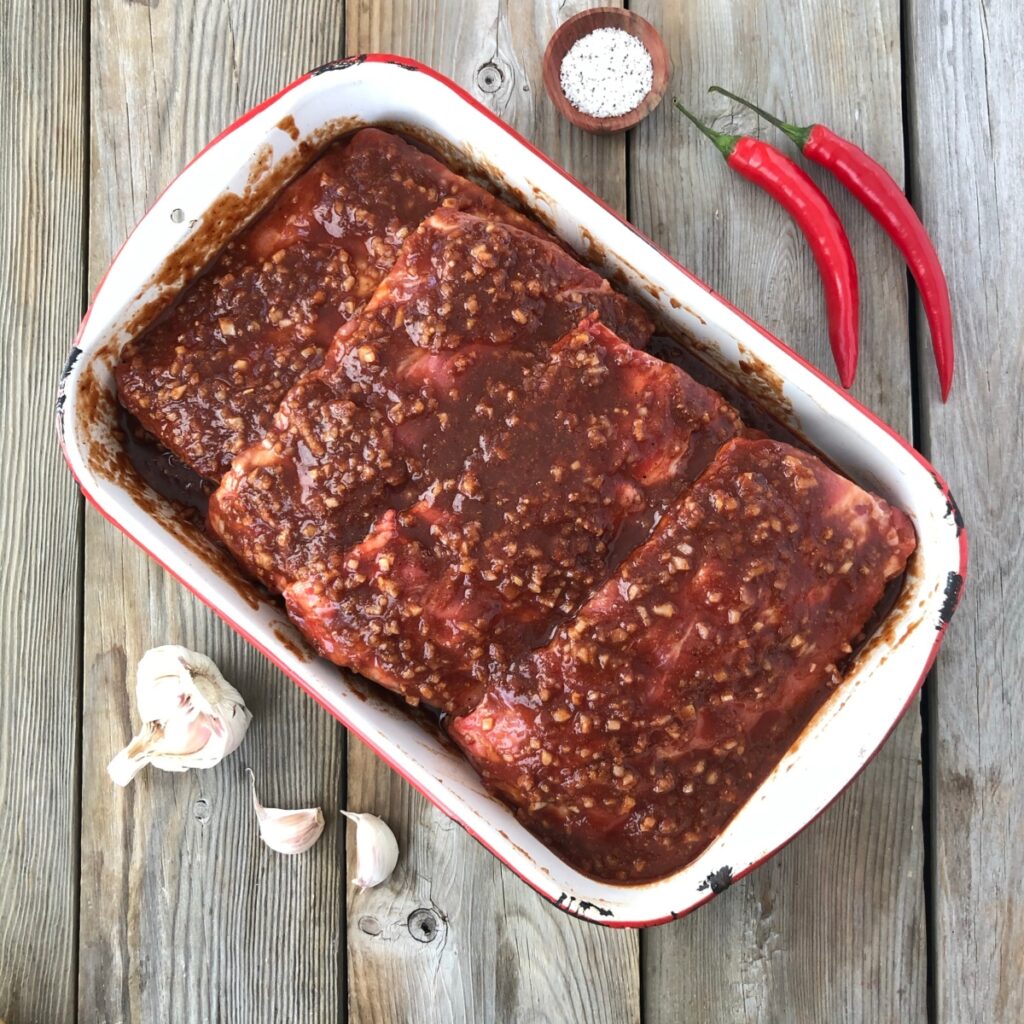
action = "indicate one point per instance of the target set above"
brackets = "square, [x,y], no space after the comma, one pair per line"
[833,928]
[185,915]
[965,94]
[41,277]
[454,936]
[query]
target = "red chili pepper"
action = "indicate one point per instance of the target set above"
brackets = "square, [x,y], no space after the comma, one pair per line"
[872,184]
[782,179]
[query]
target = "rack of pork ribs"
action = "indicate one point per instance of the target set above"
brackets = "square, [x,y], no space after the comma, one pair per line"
[439,437]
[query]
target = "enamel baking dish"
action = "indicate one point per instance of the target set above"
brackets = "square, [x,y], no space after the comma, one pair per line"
[225,186]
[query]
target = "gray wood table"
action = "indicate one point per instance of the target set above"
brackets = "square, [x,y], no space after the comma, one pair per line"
[157,903]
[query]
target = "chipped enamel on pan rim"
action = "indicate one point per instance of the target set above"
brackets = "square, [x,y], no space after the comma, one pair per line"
[849,728]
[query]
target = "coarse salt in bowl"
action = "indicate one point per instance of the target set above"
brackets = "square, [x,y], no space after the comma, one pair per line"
[606,73]
[605,69]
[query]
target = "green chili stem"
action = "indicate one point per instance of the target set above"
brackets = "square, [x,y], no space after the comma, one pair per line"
[797,133]
[725,143]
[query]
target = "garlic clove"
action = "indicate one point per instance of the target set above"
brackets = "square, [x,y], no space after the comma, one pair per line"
[287,832]
[376,850]
[192,716]
[168,747]
[188,736]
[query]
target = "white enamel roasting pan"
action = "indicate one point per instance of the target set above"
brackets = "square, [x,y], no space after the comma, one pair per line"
[226,184]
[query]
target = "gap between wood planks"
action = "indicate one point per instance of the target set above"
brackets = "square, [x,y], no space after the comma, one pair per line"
[927,710]
[76,833]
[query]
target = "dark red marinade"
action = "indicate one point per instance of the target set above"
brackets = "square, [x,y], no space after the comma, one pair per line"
[480,492]
[461,314]
[566,470]
[206,378]
[631,739]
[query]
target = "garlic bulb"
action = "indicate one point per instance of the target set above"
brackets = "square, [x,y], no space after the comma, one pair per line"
[192,716]
[287,831]
[376,850]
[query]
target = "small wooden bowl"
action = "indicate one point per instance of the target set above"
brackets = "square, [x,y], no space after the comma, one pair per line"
[583,24]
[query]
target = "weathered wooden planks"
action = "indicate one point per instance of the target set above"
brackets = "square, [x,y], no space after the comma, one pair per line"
[41,276]
[833,928]
[454,936]
[184,914]
[965,93]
